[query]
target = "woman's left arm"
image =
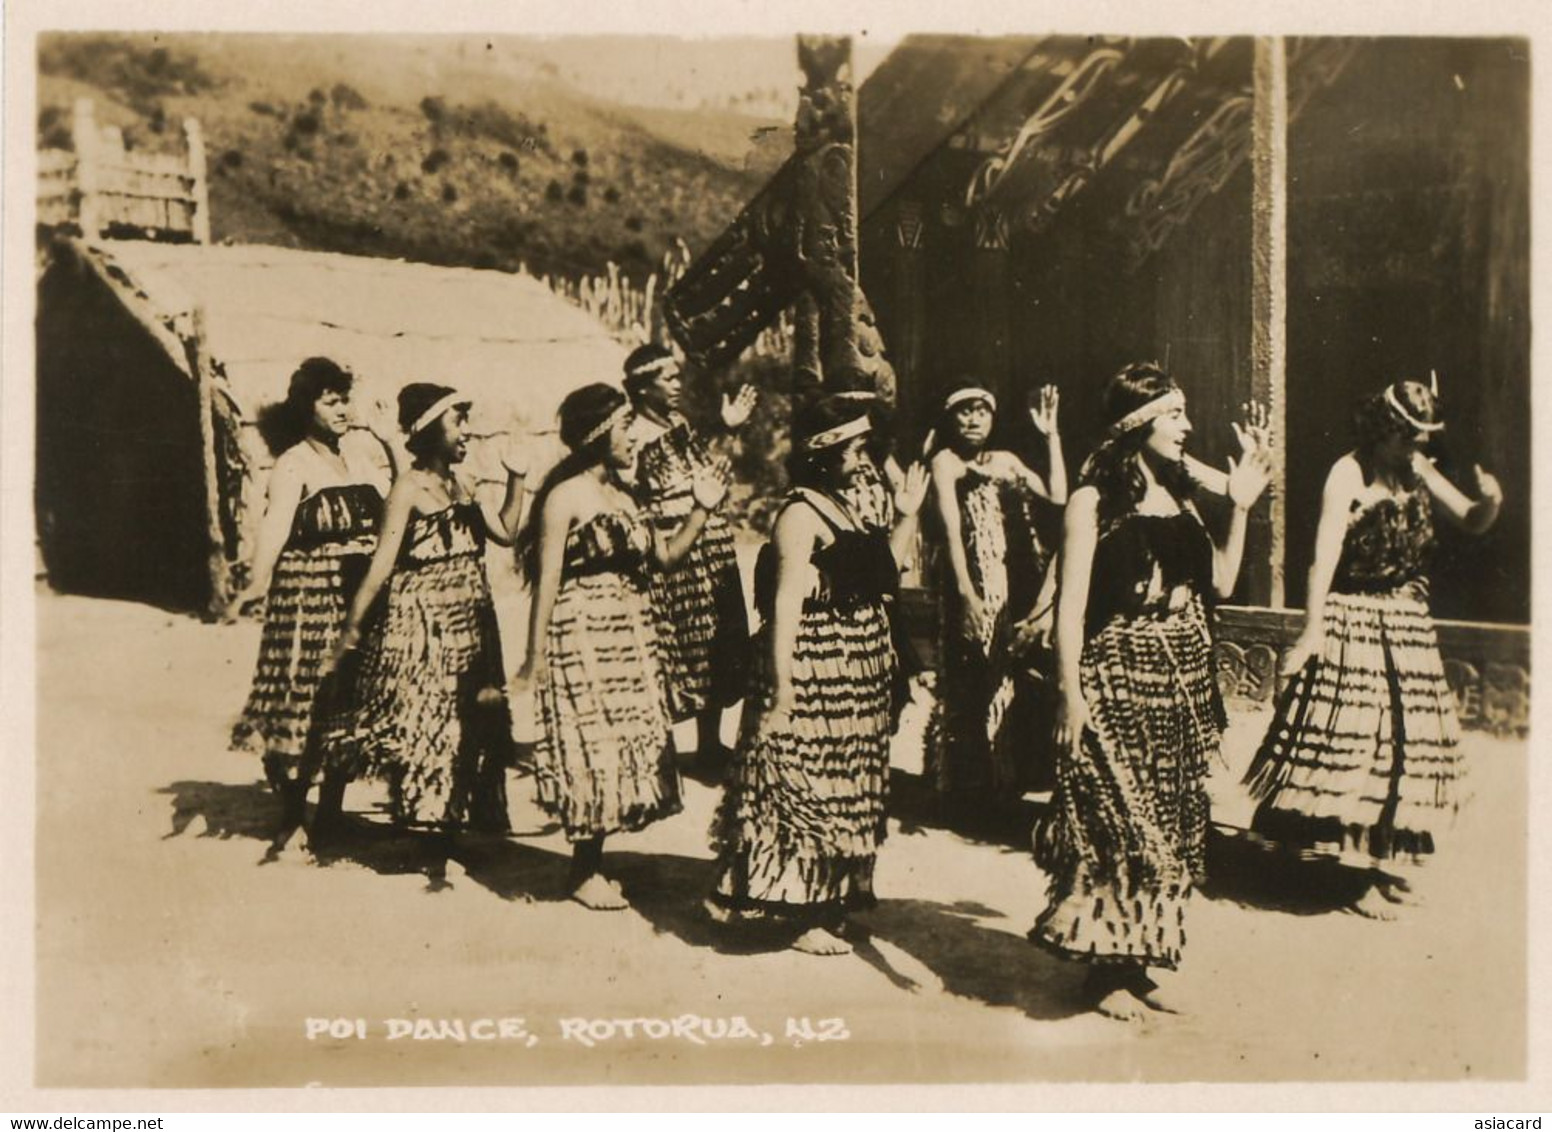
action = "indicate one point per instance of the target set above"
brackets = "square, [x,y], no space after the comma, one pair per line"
[1244,483]
[1473,516]
[708,489]
[909,497]
[1044,417]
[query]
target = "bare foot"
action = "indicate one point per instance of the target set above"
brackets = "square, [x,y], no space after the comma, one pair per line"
[600,895]
[1122,1005]
[1163,998]
[1375,904]
[820,941]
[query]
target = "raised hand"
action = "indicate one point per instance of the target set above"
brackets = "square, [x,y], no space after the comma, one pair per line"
[710,484]
[378,419]
[1256,433]
[912,492]
[1488,488]
[1248,477]
[1043,413]
[737,409]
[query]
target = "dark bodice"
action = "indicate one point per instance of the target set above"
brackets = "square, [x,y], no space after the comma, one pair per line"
[1388,544]
[856,568]
[456,531]
[1144,565]
[609,542]
[338,515]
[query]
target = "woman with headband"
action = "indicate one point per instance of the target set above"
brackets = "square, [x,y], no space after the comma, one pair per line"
[604,760]
[432,718]
[325,498]
[702,623]
[994,588]
[1125,838]
[1361,759]
[801,820]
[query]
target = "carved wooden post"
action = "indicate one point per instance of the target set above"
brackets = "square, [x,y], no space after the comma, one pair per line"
[823,136]
[199,184]
[991,285]
[83,132]
[910,297]
[1269,297]
[201,370]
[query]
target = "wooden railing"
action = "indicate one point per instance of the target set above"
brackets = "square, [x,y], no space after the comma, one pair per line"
[103,188]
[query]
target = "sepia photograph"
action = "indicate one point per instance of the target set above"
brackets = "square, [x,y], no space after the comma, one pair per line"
[830,555]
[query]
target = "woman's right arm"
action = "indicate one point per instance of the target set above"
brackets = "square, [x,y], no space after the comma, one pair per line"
[285,495]
[554,524]
[1080,535]
[946,470]
[1336,500]
[396,520]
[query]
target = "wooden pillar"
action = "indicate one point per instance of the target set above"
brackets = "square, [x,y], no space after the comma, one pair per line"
[991,286]
[203,373]
[83,133]
[910,314]
[824,134]
[1269,301]
[199,183]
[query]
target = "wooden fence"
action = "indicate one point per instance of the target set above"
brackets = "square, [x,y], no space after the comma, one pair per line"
[102,187]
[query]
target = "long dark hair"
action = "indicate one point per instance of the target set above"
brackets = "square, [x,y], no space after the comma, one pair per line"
[1113,468]
[1376,421]
[283,424]
[581,412]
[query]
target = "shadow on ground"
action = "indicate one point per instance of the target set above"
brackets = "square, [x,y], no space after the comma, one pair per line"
[915,944]
[502,864]
[1251,872]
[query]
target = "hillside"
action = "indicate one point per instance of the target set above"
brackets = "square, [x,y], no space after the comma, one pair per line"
[448,150]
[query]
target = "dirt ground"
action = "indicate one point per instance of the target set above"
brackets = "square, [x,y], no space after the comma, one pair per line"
[170,955]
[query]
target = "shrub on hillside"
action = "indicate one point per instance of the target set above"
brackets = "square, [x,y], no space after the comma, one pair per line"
[346,97]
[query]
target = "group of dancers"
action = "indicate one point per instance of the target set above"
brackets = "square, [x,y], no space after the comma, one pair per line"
[1084,667]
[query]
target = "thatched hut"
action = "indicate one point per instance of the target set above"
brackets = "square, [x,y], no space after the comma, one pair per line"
[155,359]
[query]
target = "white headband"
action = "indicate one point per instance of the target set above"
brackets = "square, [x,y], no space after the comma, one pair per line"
[1396,407]
[430,415]
[1163,403]
[833,436]
[959,396]
[656,366]
[603,426]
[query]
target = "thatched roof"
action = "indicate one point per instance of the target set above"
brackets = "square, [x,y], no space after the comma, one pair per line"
[507,340]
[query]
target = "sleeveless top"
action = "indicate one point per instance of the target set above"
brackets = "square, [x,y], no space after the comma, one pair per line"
[456,531]
[1387,544]
[342,517]
[855,569]
[611,542]
[1144,565]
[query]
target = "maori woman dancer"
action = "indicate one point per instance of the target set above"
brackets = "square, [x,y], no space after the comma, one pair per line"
[431,714]
[1141,716]
[605,763]
[800,824]
[702,624]
[319,528]
[994,590]
[1361,759]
